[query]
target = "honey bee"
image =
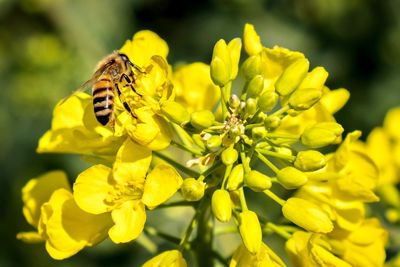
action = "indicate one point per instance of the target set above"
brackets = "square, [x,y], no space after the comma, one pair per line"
[111,72]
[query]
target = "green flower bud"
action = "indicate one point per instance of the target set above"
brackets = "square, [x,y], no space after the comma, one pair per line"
[198,140]
[291,178]
[250,231]
[251,106]
[258,132]
[219,71]
[268,101]
[234,101]
[175,112]
[307,215]
[251,67]
[309,160]
[322,134]
[272,122]
[192,189]
[291,77]
[229,156]
[221,205]
[214,142]
[202,119]
[305,98]
[255,86]
[235,179]
[257,181]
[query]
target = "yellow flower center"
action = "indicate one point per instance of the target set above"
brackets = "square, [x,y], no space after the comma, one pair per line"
[121,193]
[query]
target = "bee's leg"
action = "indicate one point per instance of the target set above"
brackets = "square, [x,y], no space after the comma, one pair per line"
[136,67]
[126,77]
[111,122]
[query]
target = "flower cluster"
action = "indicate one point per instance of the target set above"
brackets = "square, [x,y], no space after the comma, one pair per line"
[220,134]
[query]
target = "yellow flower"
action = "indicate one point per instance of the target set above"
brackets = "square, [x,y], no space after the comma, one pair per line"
[125,190]
[169,258]
[310,250]
[194,88]
[363,247]
[265,257]
[391,123]
[75,130]
[64,227]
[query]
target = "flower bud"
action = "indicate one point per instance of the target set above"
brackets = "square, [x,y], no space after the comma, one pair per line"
[304,98]
[258,132]
[229,156]
[309,160]
[291,77]
[235,179]
[315,78]
[268,101]
[272,122]
[251,67]
[255,86]
[307,215]
[198,140]
[252,42]
[192,189]
[234,48]
[257,181]
[202,119]
[251,106]
[234,101]
[221,205]
[250,231]
[291,178]
[322,134]
[175,112]
[219,71]
[214,142]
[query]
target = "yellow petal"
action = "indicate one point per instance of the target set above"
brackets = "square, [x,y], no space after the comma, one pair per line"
[169,258]
[91,189]
[143,46]
[264,258]
[252,42]
[132,162]
[38,191]
[391,123]
[161,184]
[334,100]
[68,228]
[129,220]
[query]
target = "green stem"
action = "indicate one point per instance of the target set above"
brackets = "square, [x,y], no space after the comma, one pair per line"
[187,148]
[280,111]
[210,170]
[220,258]
[154,232]
[176,164]
[274,197]
[277,229]
[251,126]
[276,154]
[176,204]
[267,162]
[189,231]
[242,199]
[228,170]
[282,135]
[204,240]
[225,230]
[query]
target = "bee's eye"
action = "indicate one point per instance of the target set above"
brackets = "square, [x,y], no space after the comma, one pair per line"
[124,57]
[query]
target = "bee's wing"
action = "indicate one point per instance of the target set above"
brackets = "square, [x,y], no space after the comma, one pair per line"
[89,83]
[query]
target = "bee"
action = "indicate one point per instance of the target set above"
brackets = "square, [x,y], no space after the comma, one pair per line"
[111,72]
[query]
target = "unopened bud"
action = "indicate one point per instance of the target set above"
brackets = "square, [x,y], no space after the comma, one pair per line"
[251,106]
[258,132]
[220,72]
[255,86]
[307,215]
[234,48]
[272,122]
[251,67]
[322,134]
[235,179]
[192,189]
[175,112]
[229,156]
[309,160]
[252,42]
[214,142]
[221,205]
[315,78]
[257,181]
[234,101]
[268,101]
[291,178]
[291,77]
[304,98]
[250,231]
[202,119]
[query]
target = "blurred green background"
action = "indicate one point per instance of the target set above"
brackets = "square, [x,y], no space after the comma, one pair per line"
[49,47]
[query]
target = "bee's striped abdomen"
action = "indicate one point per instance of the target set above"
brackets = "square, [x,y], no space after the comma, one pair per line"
[103,99]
